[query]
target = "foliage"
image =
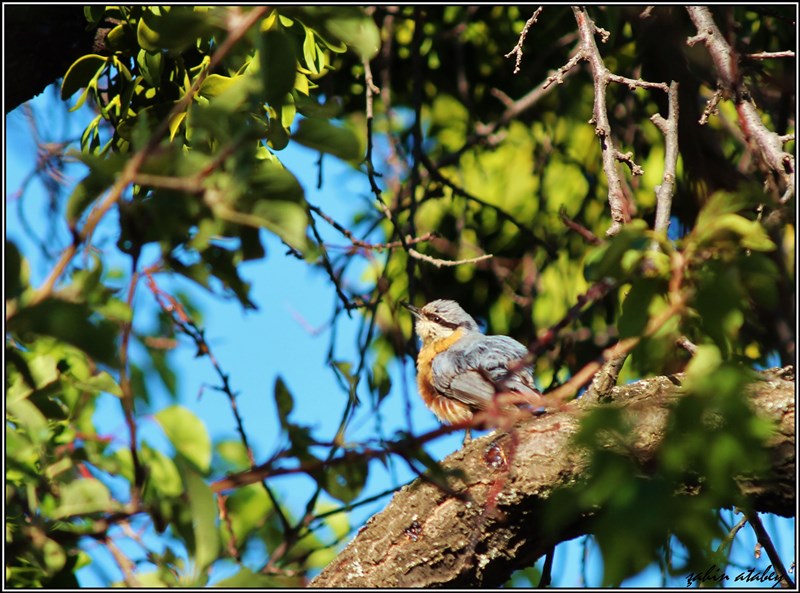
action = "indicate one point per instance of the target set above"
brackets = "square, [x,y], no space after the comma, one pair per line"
[500,203]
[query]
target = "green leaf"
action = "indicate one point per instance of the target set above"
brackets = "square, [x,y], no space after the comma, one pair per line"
[84,496]
[345,481]
[351,26]
[204,520]
[25,414]
[278,65]
[151,65]
[173,28]
[635,310]
[703,364]
[607,260]
[248,510]
[322,135]
[71,323]
[94,13]
[163,475]
[82,72]
[752,234]
[54,556]
[215,84]
[188,435]
[13,271]
[272,181]
[286,219]
[283,401]
[233,453]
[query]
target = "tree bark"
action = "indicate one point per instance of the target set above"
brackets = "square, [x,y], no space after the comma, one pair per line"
[427,538]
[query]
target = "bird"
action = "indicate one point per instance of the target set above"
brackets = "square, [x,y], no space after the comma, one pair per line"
[460,370]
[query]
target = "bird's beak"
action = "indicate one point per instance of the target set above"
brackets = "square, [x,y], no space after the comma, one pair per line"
[416,311]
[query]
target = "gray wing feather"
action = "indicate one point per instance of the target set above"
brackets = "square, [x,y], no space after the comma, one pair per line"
[471,368]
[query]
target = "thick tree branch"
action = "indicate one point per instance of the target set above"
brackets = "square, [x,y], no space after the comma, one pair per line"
[427,538]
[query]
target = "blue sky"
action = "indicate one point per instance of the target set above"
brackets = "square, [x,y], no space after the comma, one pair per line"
[256,347]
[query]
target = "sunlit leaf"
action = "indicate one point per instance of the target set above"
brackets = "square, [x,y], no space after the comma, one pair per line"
[188,434]
[204,515]
[322,135]
[81,73]
[82,497]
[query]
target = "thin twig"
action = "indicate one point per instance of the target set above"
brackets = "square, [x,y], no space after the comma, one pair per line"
[687,345]
[766,55]
[173,308]
[442,263]
[711,107]
[518,48]
[226,518]
[766,542]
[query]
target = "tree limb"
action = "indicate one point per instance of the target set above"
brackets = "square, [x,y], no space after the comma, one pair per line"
[454,543]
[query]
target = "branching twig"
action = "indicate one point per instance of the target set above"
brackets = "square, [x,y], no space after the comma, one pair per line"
[711,107]
[600,75]
[379,247]
[225,517]
[765,144]
[173,308]
[518,48]
[587,50]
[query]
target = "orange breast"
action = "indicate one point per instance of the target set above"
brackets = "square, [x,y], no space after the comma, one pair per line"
[447,409]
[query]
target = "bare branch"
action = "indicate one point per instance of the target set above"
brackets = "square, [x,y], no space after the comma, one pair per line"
[518,48]
[764,143]
[439,263]
[767,55]
[600,75]
[665,191]
[711,107]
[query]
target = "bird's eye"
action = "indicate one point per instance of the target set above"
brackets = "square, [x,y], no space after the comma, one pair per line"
[437,319]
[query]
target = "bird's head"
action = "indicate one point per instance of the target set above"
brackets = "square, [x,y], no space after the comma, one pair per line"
[439,319]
